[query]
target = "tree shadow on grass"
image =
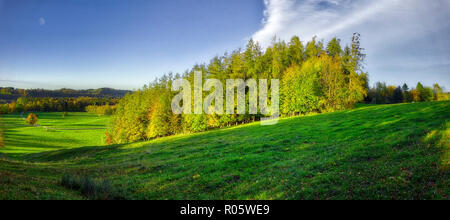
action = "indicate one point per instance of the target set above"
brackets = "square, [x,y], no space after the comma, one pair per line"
[385,152]
[27,143]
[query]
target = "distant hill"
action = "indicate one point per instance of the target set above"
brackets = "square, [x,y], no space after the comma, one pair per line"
[9,93]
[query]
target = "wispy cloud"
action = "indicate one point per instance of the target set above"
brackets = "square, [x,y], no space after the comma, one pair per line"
[409,30]
[326,18]
[41,21]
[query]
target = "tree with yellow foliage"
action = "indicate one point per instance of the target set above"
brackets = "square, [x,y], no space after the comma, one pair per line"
[32,119]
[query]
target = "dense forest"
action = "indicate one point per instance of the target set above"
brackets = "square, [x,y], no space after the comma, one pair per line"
[314,77]
[9,94]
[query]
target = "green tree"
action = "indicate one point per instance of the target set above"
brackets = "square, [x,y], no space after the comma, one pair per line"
[159,120]
[398,95]
[301,91]
[438,92]
[296,51]
[405,87]
[313,48]
[334,47]
[421,93]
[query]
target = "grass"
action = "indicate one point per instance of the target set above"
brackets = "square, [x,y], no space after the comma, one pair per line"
[24,139]
[371,152]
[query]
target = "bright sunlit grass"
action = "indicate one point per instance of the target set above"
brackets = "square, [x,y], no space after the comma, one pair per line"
[371,152]
[22,138]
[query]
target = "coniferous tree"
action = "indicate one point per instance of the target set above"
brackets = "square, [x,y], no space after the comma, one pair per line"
[334,48]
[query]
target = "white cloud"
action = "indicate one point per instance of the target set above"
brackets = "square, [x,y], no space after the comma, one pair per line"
[409,30]
[326,18]
[41,21]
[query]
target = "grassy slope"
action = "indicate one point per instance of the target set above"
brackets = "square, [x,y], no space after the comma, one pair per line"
[377,152]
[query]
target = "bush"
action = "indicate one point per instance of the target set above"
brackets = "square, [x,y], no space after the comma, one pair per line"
[93,189]
[108,138]
[32,119]
[2,143]
[69,181]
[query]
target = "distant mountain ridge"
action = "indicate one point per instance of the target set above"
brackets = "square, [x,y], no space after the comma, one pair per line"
[10,93]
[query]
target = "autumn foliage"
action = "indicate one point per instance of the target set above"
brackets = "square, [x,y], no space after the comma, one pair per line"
[32,119]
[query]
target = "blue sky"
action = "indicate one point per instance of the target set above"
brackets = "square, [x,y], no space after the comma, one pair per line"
[125,44]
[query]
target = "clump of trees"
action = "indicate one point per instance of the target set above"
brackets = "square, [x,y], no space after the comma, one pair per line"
[314,77]
[101,110]
[32,119]
[383,94]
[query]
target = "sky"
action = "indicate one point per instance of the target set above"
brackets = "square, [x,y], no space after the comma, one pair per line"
[125,44]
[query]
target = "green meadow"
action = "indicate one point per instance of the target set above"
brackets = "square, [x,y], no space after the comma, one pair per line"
[53,132]
[371,152]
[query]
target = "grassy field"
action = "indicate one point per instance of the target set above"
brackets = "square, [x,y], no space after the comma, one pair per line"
[74,130]
[371,152]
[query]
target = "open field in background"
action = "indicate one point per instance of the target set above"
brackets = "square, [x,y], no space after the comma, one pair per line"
[22,138]
[371,152]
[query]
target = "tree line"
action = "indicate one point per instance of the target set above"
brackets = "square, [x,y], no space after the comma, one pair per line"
[9,94]
[314,77]
[27,104]
[101,110]
[384,94]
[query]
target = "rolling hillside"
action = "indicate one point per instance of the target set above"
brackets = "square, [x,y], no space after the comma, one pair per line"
[371,152]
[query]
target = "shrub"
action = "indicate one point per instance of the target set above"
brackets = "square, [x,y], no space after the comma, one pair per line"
[108,138]
[32,119]
[2,143]
[69,181]
[91,188]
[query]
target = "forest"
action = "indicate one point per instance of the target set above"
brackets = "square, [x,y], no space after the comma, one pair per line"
[314,77]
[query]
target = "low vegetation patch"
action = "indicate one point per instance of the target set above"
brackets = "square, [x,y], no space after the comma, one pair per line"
[2,142]
[91,188]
